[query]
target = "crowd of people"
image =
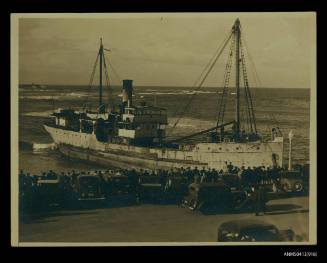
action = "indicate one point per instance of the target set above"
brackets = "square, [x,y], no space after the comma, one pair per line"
[240,177]
[248,179]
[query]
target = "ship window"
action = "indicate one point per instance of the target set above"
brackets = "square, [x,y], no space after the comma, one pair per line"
[258,148]
[208,148]
[237,148]
[220,148]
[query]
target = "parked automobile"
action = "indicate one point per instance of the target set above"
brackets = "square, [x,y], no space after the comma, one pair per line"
[232,180]
[120,188]
[291,181]
[206,196]
[176,188]
[89,187]
[150,188]
[253,231]
[53,192]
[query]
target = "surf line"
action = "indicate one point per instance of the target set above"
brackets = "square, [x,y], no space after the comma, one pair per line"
[36,146]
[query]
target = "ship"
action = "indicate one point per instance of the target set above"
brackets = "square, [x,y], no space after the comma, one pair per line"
[133,136]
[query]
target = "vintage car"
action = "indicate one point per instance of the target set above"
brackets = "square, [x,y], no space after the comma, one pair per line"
[53,192]
[291,181]
[120,188]
[175,189]
[207,196]
[89,187]
[253,231]
[150,188]
[231,179]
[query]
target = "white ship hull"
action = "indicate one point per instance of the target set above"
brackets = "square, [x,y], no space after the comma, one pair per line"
[211,155]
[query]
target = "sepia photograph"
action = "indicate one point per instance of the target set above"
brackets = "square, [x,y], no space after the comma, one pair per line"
[132,129]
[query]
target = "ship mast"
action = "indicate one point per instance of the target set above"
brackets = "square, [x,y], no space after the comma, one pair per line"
[237,33]
[100,86]
[236,49]
[103,69]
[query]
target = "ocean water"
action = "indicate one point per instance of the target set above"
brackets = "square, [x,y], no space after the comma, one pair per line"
[289,109]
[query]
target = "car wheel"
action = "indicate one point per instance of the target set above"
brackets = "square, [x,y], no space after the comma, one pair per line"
[298,187]
[286,187]
[184,203]
[192,205]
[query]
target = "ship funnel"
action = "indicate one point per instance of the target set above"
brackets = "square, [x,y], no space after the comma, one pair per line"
[127,91]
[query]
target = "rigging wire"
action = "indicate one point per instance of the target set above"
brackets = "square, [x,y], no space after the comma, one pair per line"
[246,108]
[251,108]
[258,82]
[256,75]
[221,107]
[107,78]
[246,90]
[114,71]
[91,79]
[112,68]
[219,51]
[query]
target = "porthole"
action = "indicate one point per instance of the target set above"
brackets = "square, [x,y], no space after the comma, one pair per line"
[220,148]
[258,148]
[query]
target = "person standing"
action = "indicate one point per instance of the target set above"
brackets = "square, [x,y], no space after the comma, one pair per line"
[240,176]
[214,175]
[74,177]
[260,200]
[196,175]
[203,175]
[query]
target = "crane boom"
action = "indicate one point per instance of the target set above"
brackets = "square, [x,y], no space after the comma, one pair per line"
[201,132]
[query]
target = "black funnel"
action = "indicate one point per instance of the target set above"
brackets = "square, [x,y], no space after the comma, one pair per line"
[127,91]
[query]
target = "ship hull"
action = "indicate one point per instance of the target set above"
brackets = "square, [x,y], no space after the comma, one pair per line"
[211,155]
[120,161]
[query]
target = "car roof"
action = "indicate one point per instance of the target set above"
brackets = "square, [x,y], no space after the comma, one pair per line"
[49,181]
[118,176]
[201,185]
[239,225]
[150,177]
[88,176]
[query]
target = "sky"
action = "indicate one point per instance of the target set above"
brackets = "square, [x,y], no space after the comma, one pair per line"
[165,49]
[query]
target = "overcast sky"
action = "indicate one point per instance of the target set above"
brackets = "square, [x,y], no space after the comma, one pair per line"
[165,49]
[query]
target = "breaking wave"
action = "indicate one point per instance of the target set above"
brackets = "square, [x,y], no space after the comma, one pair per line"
[191,123]
[77,94]
[56,97]
[44,97]
[38,114]
[182,92]
[36,147]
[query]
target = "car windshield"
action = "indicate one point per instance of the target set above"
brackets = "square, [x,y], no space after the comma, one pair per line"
[89,180]
[122,180]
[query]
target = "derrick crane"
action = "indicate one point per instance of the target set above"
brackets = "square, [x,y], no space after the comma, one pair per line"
[236,52]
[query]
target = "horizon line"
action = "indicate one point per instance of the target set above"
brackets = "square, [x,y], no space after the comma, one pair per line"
[157,86]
